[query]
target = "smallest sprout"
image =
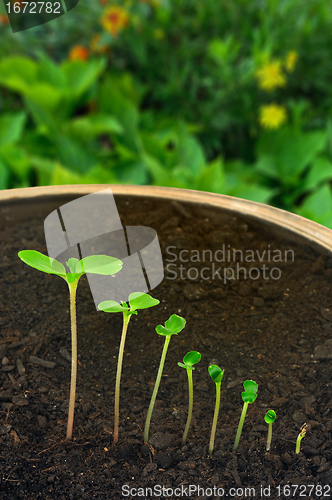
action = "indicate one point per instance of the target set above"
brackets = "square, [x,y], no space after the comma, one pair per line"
[269,419]
[190,359]
[301,435]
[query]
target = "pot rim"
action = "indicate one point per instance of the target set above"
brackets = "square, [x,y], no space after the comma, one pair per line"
[306,228]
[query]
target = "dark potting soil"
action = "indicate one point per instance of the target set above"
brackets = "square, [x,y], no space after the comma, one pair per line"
[273,326]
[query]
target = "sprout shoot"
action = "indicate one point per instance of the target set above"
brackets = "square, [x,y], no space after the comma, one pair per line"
[136,301]
[249,395]
[190,359]
[216,374]
[303,431]
[95,264]
[269,419]
[174,325]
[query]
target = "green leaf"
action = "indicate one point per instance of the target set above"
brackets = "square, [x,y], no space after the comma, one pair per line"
[291,150]
[81,75]
[139,300]
[212,178]
[318,206]
[11,127]
[4,176]
[320,171]
[100,264]
[216,373]
[173,325]
[42,262]
[112,306]
[270,417]
[86,128]
[190,153]
[250,393]
[190,359]
[71,263]
[17,72]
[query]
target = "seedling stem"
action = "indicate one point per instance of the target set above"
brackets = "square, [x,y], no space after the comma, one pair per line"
[173,326]
[216,374]
[249,396]
[300,437]
[190,359]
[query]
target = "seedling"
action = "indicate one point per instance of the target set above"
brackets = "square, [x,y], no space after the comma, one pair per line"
[303,431]
[95,264]
[174,325]
[249,396]
[216,374]
[136,301]
[269,419]
[190,359]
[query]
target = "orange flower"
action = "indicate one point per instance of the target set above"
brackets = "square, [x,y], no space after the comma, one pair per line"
[4,19]
[78,53]
[114,19]
[103,2]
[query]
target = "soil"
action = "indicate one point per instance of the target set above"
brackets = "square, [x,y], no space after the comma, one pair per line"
[274,331]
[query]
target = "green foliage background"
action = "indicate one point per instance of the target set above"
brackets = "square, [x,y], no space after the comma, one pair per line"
[173,101]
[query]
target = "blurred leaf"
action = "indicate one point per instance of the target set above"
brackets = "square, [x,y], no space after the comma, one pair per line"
[112,101]
[4,176]
[18,72]
[190,152]
[17,159]
[87,127]
[291,151]
[212,178]
[252,192]
[318,206]
[320,171]
[81,75]
[11,127]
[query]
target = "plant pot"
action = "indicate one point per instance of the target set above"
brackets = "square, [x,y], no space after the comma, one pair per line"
[254,284]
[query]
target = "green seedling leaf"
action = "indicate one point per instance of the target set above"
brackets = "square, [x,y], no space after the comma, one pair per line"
[100,264]
[42,262]
[250,394]
[111,306]
[216,373]
[270,417]
[174,325]
[190,359]
[139,300]
[72,264]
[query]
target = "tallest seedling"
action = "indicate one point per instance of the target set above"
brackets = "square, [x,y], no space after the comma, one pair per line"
[95,264]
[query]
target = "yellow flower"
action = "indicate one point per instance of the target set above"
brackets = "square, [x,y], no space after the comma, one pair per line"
[291,59]
[272,116]
[270,76]
[114,19]
[78,53]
